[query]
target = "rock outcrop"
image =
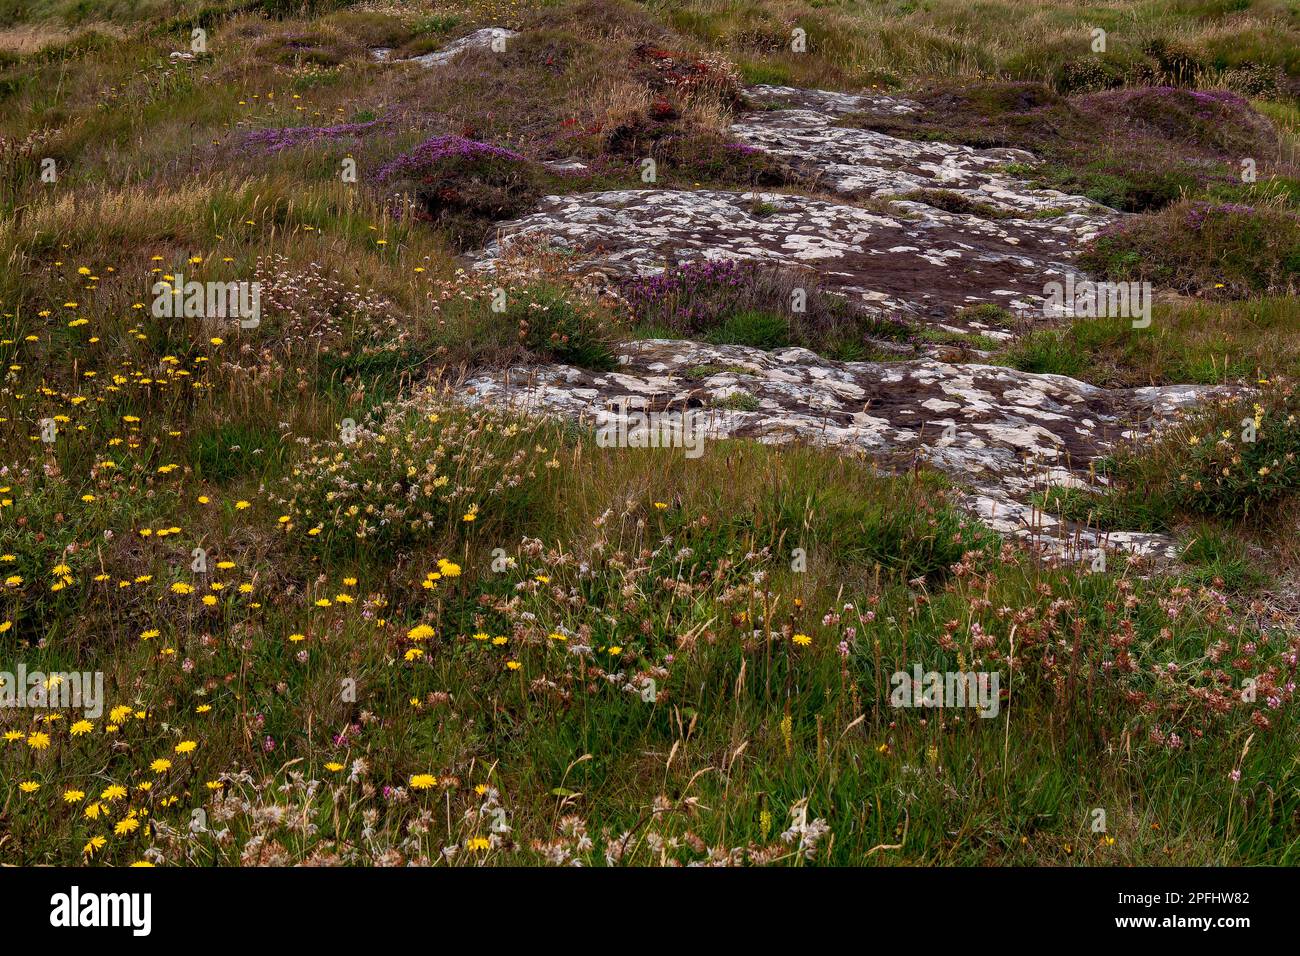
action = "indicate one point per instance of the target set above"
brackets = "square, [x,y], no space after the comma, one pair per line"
[1003,435]
[922,264]
[479,39]
[906,258]
[1000,433]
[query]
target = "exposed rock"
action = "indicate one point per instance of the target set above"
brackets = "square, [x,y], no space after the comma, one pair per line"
[925,269]
[909,259]
[479,39]
[827,102]
[1000,433]
[570,164]
[866,163]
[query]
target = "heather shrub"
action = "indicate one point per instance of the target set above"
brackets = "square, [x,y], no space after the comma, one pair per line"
[685,76]
[1132,149]
[1219,121]
[279,138]
[463,185]
[1217,250]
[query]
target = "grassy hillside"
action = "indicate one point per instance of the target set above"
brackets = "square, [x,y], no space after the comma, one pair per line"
[429,632]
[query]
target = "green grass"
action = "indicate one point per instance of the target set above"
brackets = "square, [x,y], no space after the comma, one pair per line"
[1203,343]
[760,330]
[829,535]
[1221,560]
[1218,250]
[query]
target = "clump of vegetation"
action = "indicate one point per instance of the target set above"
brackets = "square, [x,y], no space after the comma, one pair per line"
[742,303]
[987,313]
[1116,509]
[462,185]
[488,325]
[1047,352]
[1136,150]
[1233,459]
[419,471]
[952,201]
[1218,121]
[738,401]
[1203,343]
[1217,250]
[1218,559]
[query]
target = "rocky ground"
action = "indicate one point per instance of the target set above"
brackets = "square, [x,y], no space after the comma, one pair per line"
[1005,435]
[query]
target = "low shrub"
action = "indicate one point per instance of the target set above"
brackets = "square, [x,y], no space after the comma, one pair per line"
[1215,250]
[1232,459]
[1136,150]
[418,472]
[535,321]
[463,185]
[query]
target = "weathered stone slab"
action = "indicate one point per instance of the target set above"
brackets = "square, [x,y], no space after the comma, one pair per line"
[1001,434]
[479,39]
[906,259]
[865,163]
[925,269]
